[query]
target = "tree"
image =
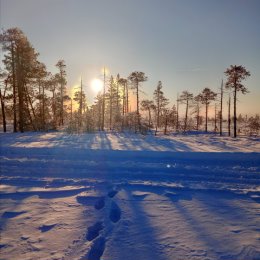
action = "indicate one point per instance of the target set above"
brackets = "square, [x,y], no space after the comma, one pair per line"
[20,62]
[160,103]
[148,105]
[62,81]
[229,117]
[185,98]
[221,109]
[136,77]
[198,100]
[123,83]
[207,95]
[235,74]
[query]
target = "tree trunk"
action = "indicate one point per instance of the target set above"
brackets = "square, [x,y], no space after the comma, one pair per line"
[221,110]
[149,111]
[30,102]
[137,106]
[186,116]
[43,108]
[127,100]
[3,111]
[14,90]
[235,112]
[229,119]
[206,123]
[20,96]
[215,119]
[61,91]
[177,114]
[103,102]
[198,116]
[165,124]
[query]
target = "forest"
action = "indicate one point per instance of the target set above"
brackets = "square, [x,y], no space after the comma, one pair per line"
[33,99]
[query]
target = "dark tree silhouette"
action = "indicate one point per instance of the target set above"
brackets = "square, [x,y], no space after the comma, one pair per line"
[185,98]
[160,103]
[235,74]
[148,105]
[136,77]
[207,95]
[62,80]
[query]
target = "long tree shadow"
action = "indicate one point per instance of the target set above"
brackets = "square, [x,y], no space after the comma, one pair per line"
[138,230]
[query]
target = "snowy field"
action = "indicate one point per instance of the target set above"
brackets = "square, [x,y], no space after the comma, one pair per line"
[119,196]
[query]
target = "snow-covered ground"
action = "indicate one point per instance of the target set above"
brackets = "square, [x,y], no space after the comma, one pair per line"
[121,196]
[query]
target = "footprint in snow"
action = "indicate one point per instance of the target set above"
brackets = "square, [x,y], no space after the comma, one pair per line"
[12,214]
[115,212]
[45,228]
[93,231]
[97,249]
[100,204]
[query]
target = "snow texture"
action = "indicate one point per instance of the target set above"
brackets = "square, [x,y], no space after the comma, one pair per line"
[119,196]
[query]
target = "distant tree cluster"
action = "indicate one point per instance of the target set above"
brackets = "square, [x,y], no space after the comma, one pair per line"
[32,97]
[35,100]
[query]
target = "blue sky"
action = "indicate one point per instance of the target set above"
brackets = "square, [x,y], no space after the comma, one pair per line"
[187,44]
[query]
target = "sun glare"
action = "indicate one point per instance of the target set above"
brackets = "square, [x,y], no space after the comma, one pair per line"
[96,85]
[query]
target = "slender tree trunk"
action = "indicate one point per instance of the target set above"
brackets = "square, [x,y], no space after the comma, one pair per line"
[117,96]
[149,113]
[3,111]
[229,118]
[71,109]
[215,119]
[198,115]
[221,109]
[14,89]
[30,103]
[43,108]
[158,113]
[103,101]
[137,106]
[165,123]
[235,112]
[54,109]
[80,104]
[127,100]
[186,116]
[206,123]
[123,107]
[61,85]
[110,111]
[177,114]
[28,109]
[20,96]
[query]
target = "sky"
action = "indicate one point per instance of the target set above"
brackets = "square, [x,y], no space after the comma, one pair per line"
[186,44]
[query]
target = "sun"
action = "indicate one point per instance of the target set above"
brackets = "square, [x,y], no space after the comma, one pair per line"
[96,85]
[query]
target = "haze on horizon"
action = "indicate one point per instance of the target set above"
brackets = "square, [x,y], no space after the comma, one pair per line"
[185,44]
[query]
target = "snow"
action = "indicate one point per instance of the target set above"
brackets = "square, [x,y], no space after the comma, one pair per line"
[123,196]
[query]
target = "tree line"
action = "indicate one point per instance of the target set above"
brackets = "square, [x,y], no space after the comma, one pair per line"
[34,99]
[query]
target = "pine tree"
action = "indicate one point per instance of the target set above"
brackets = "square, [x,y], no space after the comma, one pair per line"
[136,78]
[148,105]
[62,81]
[186,97]
[207,95]
[235,74]
[160,103]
